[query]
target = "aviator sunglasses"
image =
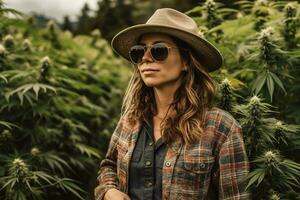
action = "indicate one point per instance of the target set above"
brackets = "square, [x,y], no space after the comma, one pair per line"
[158,52]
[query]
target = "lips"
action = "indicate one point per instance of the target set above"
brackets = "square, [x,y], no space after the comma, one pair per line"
[149,70]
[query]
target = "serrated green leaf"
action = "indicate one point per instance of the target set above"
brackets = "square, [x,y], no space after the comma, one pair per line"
[20,95]
[90,151]
[278,81]
[270,84]
[36,88]
[3,78]
[259,82]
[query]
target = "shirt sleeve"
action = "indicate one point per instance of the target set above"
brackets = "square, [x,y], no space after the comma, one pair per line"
[233,167]
[108,167]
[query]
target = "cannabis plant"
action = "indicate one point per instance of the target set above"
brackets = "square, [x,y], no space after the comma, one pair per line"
[259,43]
[291,22]
[227,94]
[266,139]
[60,100]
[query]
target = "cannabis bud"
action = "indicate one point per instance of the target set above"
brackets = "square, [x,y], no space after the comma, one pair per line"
[290,10]
[211,16]
[96,34]
[226,82]
[8,41]
[267,47]
[261,13]
[226,95]
[291,24]
[19,169]
[210,5]
[51,25]
[5,136]
[45,67]
[265,34]
[278,124]
[35,151]
[255,107]
[255,100]
[53,36]
[27,45]
[68,126]
[271,157]
[274,197]
[261,3]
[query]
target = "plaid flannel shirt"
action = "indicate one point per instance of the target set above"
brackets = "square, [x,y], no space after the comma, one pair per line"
[213,168]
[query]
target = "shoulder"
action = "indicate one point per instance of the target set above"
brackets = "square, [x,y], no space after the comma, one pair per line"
[222,121]
[126,126]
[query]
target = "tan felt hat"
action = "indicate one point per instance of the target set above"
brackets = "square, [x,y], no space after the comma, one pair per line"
[173,23]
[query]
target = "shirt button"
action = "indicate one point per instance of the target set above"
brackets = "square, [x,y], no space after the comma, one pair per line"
[151,143]
[202,165]
[168,164]
[148,163]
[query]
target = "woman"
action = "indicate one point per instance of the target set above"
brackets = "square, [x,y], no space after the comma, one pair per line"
[169,142]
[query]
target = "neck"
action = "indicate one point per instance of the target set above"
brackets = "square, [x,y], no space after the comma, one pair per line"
[164,97]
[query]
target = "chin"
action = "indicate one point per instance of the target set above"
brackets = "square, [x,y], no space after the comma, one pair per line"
[151,81]
[151,84]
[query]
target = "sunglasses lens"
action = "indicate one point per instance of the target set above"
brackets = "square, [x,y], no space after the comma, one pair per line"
[159,52]
[136,53]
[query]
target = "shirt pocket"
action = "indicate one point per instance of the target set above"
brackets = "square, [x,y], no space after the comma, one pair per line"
[192,174]
[198,164]
[198,159]
[196,171]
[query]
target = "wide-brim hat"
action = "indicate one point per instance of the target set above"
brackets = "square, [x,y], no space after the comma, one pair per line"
[174,23]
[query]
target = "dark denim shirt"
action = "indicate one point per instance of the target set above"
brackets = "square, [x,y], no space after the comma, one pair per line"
[145,172]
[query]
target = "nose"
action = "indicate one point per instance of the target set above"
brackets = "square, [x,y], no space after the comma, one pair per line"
[147,56]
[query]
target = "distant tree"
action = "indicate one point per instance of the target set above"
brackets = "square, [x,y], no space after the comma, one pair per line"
[84,21]
[112,16]
[67,25]
[102,15]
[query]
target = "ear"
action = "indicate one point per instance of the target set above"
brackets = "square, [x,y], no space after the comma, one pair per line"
[185,66]
[184,62]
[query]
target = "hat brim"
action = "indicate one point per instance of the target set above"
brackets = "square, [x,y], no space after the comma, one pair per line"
[207,54]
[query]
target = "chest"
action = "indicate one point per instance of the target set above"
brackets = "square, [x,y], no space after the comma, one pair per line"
[187,166]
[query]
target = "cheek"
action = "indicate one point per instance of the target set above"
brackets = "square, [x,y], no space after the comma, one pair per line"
[172,72]
[174,67]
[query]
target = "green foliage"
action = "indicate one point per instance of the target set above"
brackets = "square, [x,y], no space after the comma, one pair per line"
[260,86]
[262,57]
[22,183]
[274,172]
[61,97]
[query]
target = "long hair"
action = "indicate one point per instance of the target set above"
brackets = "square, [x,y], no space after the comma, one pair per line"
[191,100]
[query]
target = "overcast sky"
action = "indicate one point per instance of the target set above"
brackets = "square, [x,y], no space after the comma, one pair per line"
[52,8]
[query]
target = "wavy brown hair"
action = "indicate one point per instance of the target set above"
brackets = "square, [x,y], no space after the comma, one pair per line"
[191,100]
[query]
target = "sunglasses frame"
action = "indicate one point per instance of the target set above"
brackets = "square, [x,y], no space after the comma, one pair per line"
[146,47]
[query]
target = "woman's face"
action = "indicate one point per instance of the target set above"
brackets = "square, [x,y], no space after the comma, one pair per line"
[163,73]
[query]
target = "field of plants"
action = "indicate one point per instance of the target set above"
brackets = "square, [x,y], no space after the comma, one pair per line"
[60,98]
